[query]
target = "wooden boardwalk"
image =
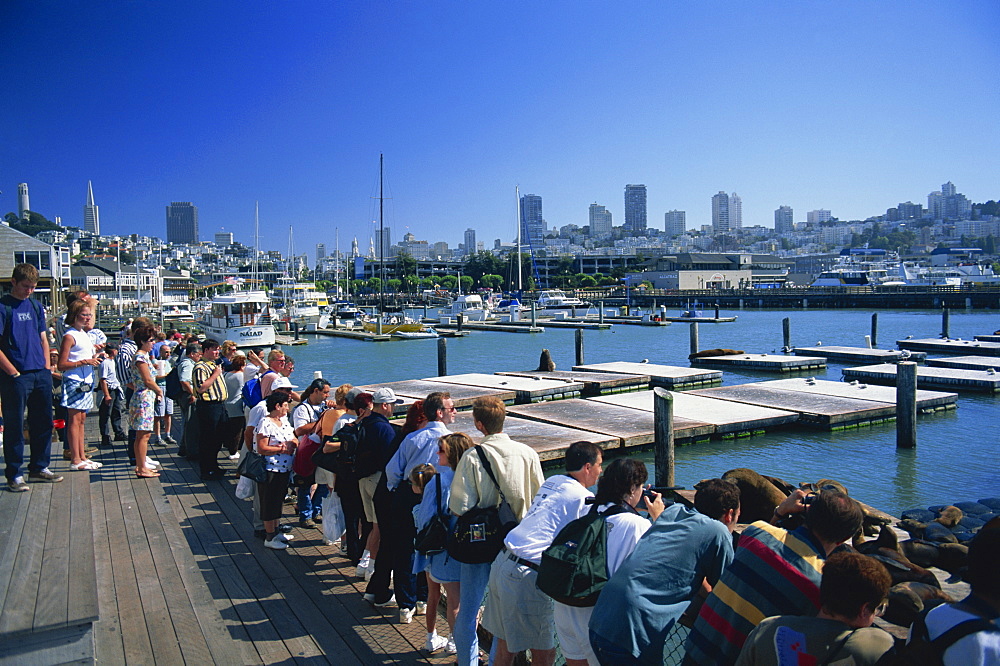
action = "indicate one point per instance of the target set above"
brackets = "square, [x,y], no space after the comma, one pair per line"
[180,578]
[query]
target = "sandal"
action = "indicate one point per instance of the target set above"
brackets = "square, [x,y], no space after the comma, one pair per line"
[145,474]
[84,466]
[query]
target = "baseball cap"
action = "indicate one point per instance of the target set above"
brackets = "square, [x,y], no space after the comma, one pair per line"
[282,382]
[386,395]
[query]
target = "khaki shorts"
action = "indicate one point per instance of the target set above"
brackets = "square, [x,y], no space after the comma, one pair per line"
[367,486]
[516,610]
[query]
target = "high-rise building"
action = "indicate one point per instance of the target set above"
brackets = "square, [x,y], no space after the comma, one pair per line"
[320,252]
[947,204]
[735,211]
[182,222]
[674,222]
[815,217]
[470,242]
[383,242]
[720,213]
[223,238]
[600,220]
[635,208]
[783,220]
[91,214]
[22,201]
[532,222]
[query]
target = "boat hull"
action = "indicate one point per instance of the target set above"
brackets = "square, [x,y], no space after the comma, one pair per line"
[243,336]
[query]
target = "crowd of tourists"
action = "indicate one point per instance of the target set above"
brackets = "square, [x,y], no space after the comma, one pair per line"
[423,512]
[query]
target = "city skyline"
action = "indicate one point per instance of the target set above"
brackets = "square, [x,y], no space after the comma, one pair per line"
[439,88]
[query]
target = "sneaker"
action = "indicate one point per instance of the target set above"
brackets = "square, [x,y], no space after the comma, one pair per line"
[450,647]
[45,475]
[391,601]
[169,440]
[307,523]
[369,597]
[318,519]
[155,441]
[362,569]
[421,608]
[17,485]
[369,572]
[284,537]
[435,642]
[152,463]
[405,615]
[275,544]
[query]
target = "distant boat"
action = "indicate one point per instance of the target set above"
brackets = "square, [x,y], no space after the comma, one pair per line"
[393,323]
[176,311]
[241,316]
[417,335]
[470,306]
[553,301]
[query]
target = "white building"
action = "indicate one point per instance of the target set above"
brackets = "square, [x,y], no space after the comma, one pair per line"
[600,220]
[91,213]
[675,222]
[815,217]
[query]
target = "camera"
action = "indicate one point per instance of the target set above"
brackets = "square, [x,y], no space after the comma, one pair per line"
[662,490]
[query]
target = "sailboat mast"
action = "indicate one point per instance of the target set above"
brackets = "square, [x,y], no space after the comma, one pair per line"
[256,242]
[517,197]
[336,236]
[381,239]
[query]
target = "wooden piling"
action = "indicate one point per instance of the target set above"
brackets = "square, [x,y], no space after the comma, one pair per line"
[534,315]
[295,329]
[579,346]
[716,310]
[600,312]
[693,332]
[663,424]
[461,320]
[786,332]
[906,405]
[442,357]
[874,330]
[946,323]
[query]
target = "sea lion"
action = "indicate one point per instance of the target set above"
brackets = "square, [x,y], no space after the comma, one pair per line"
[758,496]
[950,516]
[715,352]
[951,557]
[545,362]
[907,600]
[886,550]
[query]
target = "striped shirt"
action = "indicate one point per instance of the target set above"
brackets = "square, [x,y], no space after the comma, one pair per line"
[774,572]
[217,392]
[123,362]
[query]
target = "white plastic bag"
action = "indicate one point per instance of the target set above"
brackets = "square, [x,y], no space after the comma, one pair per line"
[334,524]
[244,488]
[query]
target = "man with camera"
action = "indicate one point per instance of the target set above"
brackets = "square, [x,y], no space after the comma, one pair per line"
[774,572]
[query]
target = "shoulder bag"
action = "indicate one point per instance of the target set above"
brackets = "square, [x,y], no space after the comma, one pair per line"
[433,537]
[479,533]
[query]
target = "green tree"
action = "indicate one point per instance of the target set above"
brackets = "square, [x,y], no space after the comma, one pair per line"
[392,285]
[426,283]
[448,282]
[375,284]
[467,283]
[405,264]
[482,263]
[33,225]
[585,281]
[410,282]
[491,281]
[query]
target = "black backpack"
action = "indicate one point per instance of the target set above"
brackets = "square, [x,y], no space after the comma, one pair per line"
[922,650]
[172,386]
[349,458]
[433,537]
[574,567]
[479,532]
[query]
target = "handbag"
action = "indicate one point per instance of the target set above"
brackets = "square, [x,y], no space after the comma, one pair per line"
[479,532]
[245,488]
[327,461]
[253,466]
[302,464]
[433,537]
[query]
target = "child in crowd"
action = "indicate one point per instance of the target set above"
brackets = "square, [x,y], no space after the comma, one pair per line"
[420,477]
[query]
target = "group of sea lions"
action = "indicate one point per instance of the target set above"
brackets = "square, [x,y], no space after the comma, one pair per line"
[936,538]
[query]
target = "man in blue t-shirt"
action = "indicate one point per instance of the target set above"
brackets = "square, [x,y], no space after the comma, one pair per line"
[25,381]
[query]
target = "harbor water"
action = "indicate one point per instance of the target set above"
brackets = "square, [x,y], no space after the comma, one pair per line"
[956,457]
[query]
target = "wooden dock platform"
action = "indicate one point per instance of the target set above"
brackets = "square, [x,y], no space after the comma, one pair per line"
[727,417]
[461,395]
[526,390]
[951,346]
[858,354]
[594,383]
[701,320]
[352,334]
[481,326]
[632,427]
[666,376]
[966,362]
[762,362]
[987,338]
[549,441]
[860,391]
[929,377]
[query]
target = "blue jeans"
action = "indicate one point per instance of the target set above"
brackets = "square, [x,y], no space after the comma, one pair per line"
[473,581]
[32,389]
[311,506]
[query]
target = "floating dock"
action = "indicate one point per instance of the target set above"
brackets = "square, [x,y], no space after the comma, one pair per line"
[950,346]
[411,390]
[481,326]
[666,376]
[763,362]
[549,441]
[988,338]
[289,340]
[594,383]
[859,391]
[727,417]
[700,320]
[859,354]
[631,427]
[352,334]
[929,377]
[526,389]
[966,363]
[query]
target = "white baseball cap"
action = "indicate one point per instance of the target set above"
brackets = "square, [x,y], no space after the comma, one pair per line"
[386,395]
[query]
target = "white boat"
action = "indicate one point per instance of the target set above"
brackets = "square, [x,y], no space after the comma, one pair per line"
[345,314]
[393,323]
[860,267]
[417,335]
[470,306]
[176,311]
[241,316]
[553,301]
[302,303]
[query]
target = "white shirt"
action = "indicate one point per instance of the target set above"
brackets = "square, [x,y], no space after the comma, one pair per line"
[981,647]
[82,349]
[624,531]
[560,500]
[276,434]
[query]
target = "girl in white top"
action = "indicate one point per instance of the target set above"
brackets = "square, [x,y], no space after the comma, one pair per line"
[76,362]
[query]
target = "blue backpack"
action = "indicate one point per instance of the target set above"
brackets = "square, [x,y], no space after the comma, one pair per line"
[251,390]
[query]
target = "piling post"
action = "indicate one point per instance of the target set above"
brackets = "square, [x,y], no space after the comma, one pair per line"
[579,347]
[874,330]
[442,357]
[600,312]
[378,324]
[716,310]
[295,329]
[868,341]
[906,405]
[317,374]
[946,323]
[425,311]
[663,423]
[461,320]
[534,315]
[693,331]
[786,332]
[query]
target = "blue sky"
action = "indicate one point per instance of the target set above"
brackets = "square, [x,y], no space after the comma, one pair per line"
[850,106]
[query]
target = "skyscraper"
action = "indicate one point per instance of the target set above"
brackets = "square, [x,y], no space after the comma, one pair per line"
[600,220]
[635,208]
[470,242]
[735,211]
[532,222]
[320,252]
[223,238]
[720,213]
[22,201]
[815,217]
[383,242]
[182,222]
[675,222]
[91,214]
[783,221]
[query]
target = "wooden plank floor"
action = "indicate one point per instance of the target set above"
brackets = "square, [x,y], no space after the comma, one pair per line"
[182,580]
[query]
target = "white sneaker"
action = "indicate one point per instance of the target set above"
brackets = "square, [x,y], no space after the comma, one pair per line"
[405,615]
[422,608]
[152,464]
[390,602]
[435,642]
[450,647]
[362,570]
[281,536]
[275,544]
[369,572]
